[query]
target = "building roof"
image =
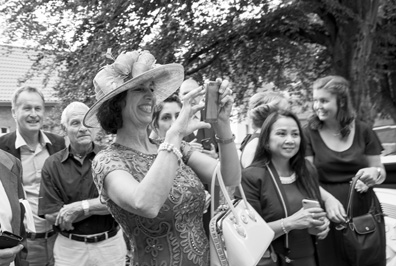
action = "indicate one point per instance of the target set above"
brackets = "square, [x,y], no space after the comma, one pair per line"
[15,64]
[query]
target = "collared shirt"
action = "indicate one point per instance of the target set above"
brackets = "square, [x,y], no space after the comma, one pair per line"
[32,163]
[5,210]
[66,180]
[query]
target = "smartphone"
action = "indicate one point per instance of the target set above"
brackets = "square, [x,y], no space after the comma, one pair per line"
[212,102]
[9,240]
[206,144]
[307,203]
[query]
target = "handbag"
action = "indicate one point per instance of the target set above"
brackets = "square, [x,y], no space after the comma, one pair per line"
[238,234]
[364,236]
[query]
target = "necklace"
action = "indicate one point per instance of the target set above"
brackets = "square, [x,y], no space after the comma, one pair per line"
[286,180]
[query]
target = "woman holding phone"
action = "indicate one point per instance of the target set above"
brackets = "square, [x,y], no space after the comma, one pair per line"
[154,189]
[277,182]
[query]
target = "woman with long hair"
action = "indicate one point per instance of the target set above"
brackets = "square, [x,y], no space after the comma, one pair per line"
[277,182]
[342,148]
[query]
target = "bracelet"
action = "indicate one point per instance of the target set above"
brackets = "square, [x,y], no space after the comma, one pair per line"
[224,141]
[171,148]
[283,226]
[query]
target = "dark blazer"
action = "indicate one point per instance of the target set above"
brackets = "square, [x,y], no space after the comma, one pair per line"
[11,179]
[7,143]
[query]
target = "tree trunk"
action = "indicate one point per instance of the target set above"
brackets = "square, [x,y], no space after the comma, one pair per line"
[352,48]
[387,93]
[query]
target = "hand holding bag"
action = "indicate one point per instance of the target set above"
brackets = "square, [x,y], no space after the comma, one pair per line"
[364,235]
[238,234]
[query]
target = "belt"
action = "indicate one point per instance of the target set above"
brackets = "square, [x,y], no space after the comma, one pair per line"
[91,239]
[45,235]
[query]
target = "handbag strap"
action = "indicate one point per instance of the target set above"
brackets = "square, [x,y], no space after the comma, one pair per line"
[217,175]
[217,241]
[282,201]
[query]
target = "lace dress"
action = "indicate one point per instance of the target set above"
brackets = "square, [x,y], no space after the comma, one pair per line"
[176,236]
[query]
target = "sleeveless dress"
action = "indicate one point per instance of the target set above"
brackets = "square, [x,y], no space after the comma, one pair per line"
[176,236]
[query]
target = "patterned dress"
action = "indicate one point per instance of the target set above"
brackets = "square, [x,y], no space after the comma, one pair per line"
[176,236]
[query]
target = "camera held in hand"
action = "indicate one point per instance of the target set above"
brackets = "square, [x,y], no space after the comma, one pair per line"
[212,102]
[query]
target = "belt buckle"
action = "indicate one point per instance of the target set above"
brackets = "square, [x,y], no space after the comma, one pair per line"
[32,236]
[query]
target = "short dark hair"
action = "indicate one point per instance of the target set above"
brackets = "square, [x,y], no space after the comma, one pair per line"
[263,155]
[109,113]
[28,89]
[339,87]
[174,98]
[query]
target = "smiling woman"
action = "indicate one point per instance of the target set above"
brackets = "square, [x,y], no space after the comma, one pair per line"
[154,189]
[277,182]
[342,148]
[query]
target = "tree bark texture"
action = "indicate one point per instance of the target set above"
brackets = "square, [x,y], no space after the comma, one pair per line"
[352,40]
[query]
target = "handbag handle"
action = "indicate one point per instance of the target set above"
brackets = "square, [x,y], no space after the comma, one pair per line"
[217,175]
[350,199]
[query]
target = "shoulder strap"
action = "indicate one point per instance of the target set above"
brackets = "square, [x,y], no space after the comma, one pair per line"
[281,199]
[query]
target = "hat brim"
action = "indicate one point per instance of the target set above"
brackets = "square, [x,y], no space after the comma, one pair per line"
[168,79]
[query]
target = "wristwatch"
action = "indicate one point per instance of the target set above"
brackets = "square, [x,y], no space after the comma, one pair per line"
[85,206]
[379,173]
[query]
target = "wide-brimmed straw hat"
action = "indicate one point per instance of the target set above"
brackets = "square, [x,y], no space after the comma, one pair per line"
[130,70]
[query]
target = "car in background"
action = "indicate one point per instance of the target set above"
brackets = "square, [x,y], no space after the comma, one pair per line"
[386,192]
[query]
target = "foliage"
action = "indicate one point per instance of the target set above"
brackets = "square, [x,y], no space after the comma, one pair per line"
[251,42]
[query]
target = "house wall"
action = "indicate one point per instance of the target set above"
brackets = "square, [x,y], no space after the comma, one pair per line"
[7,122]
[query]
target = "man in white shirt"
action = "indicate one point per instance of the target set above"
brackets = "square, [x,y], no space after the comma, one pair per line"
[10,211]
[32,146]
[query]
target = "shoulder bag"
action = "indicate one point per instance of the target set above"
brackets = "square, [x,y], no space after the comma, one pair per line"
[364,235]
[238,234]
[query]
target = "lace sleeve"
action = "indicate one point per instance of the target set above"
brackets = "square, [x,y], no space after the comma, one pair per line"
[186,151]
[104,163]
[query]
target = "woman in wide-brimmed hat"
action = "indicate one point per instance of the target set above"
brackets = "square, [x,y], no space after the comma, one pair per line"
[154,190]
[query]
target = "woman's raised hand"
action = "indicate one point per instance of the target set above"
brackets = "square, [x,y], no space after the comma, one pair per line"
[226,99]
[185,124]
